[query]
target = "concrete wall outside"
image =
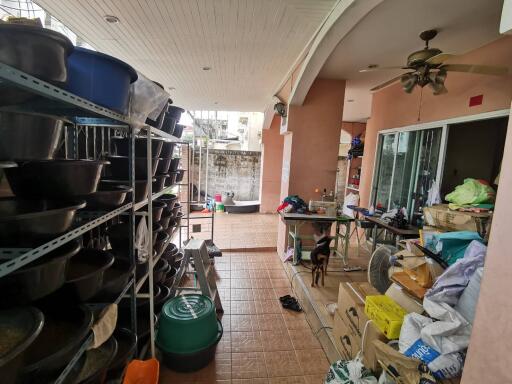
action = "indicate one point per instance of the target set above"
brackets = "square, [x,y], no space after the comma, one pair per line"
[271,167]
[237,171]
[393,108]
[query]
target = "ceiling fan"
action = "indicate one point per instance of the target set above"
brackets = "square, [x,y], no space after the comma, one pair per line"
[427,67]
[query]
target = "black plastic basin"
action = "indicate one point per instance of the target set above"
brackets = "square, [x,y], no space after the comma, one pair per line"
[39,278]
[170,200]
[23,222]
[175,162]
[163,165]
[115,280]
[28,137]
[126,349]
[119,167]
[141,187]
[107,196]
[55,178]
[38,51]
[167,149]
[160,182]
[18,329]
[122,146]
[64,331]
[85,275]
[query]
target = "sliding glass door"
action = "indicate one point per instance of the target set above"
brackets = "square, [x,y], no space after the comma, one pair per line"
[406,168]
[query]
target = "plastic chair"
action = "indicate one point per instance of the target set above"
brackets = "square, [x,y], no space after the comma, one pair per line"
[142,372]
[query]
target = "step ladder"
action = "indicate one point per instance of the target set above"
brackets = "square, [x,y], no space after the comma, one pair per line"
[203,269]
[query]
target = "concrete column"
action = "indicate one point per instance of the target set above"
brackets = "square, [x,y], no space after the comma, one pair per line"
[489,359]
[271,166]
[311,144]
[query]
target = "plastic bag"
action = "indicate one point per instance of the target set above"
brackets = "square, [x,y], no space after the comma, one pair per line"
[450,285]
[385,379]
[141,241]
[350,372]
[411,344]
[146,100]
[350,199]
[472,192]
[453,245]
[469,298]
[434,197]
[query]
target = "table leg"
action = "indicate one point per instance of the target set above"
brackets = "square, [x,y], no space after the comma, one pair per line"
[347,241]
[374,235]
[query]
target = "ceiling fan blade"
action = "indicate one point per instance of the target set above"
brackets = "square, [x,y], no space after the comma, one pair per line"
[380,69]
[479,69]
[387,83]
[441,58]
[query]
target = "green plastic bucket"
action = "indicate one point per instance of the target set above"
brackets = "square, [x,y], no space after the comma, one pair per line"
[188,324]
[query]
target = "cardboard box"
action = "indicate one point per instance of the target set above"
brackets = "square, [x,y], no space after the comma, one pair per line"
[351,298]
[349,345]
[403,299]
[440,216]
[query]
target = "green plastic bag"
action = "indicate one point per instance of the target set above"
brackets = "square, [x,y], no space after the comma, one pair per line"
[472,191]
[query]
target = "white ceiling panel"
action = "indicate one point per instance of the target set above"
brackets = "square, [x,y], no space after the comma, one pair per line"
[250,45]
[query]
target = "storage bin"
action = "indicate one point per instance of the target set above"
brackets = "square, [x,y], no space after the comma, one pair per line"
[387,315]
[100,78]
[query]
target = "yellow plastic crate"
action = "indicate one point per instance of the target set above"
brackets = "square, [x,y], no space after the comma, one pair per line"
[387,315]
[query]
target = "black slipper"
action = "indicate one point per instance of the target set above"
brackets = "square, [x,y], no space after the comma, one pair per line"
[294,306]
[282,299]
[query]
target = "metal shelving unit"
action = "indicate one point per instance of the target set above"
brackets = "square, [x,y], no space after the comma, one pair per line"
[83,116]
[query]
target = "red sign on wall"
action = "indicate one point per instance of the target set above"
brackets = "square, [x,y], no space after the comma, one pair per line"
[476,100]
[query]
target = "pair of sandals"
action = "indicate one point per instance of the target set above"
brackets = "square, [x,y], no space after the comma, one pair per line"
[290,302]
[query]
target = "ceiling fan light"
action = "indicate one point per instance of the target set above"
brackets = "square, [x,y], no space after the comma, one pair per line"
[438,88]
[408,81]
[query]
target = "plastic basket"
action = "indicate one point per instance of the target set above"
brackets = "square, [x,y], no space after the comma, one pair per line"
[387,315]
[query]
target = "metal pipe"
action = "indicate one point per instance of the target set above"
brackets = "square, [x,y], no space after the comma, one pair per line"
[200,171]
[131,170]
[150,242]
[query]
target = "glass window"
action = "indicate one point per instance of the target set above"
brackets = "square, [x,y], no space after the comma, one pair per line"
[403,169]
[406,168]
[385,170]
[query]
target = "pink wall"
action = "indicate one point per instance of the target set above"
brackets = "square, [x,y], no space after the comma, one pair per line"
[489,358]
[316,129]
[272,161]
[392,107]
[310,154]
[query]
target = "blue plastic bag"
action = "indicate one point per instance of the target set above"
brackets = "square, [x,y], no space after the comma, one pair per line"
[452,245]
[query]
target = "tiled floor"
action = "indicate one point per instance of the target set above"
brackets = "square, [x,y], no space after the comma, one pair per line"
[262,343]
[234,231]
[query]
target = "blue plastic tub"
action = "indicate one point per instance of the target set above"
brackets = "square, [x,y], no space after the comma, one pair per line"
[100,78]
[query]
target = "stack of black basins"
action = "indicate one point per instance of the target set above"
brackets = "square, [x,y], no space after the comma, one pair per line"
[119,170]
[170,121]
[171,221]
[43,319]
[42,302]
